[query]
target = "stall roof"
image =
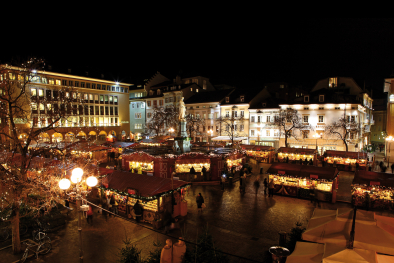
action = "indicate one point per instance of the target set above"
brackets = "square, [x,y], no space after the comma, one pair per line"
[367,177]
[147,186]
[304,171]
[86,147]
[138,157]
[344,154]
[257,147]
[297,150]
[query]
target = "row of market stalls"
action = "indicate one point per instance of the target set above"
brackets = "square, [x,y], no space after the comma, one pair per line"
[303,180]
[347,161]
[164,166]
[373,190]
[330,232]
[155,194]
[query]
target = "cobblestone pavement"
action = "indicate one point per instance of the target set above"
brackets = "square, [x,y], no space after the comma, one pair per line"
[242,225]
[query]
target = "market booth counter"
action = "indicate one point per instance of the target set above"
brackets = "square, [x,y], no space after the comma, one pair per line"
[263,154]
[294,155]
[154,194]
[139,162]
[235,159]
[303,180]
[185,162]
[346,161]
[379,186]
[89,151]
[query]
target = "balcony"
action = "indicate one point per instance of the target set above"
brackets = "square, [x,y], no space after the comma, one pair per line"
[320,127]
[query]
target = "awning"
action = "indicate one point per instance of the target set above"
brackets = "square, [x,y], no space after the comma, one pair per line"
[227,138]
[138,157]
[147,186]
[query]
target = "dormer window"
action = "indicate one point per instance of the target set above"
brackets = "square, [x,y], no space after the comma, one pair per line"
[321,98]
[151,92]
[227,99]
[306,98]
[242,98]
[332,82]
[158,92]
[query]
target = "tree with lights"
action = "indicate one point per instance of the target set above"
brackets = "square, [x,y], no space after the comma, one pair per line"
[161,119]
[290,123]
[343,129]
[232,126]
[23,171]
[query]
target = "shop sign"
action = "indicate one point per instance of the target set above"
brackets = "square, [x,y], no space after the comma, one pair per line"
[374,183]
[314,176]
[281,172]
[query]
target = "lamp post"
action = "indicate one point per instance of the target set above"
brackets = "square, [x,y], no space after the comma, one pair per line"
[64,184]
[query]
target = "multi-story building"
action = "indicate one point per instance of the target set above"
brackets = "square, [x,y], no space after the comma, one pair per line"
[378,130]
[94,110]
[328,101]
[137,112]
[206,106]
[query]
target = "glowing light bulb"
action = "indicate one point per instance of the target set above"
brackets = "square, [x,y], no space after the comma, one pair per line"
[64,184]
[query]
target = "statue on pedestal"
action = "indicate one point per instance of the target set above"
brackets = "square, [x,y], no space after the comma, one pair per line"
[182,110]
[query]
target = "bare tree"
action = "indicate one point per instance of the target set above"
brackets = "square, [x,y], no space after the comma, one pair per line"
[232,126]
[343,129]
[162,118]
[194,124]
[21,126]
[290,123]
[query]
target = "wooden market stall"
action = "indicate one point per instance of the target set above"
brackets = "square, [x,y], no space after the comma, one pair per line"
[294,155]
[235,159]
[89,151]
[302,180]
[346,160]
[184,162]
[379,186]
[139,162]
[260,153]
[154,194]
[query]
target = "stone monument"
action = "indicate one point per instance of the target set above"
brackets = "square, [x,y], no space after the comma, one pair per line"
[182,142]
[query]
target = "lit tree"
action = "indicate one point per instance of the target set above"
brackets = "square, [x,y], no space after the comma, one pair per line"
[232,126]
[289,123]
[162,118]
[343,129]
[20,176]
[194,124]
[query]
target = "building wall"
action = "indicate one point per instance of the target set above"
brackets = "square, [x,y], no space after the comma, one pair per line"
[378,130]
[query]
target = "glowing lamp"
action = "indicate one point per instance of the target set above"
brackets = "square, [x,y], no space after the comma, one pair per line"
[76,176]
[64,184]
[91,181]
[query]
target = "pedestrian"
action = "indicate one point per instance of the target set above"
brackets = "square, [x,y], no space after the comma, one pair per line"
[271,188]
[204,173]
[112,203]
[138,210]
[256,184]
[192,172]
[89,215]
[265,186]
[115,206]
[223,181]
[199,201]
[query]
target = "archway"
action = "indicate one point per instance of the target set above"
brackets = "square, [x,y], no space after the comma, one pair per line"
[69,137]
[113,133]
[57,137]
[102,135]
[81,135]
[92,136]
[43,137]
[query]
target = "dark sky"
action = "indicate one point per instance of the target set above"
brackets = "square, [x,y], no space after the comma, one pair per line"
[245,54]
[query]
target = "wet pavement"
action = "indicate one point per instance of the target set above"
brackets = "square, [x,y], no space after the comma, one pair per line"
[241,225]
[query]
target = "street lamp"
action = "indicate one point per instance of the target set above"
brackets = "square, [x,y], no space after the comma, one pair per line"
[316,136]
[64,184]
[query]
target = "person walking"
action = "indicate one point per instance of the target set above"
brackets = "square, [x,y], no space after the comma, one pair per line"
[223,181]
[115,207]
[204,173]
[199,201]
[89,215]
[271,188]
[112,204]
[256,184]
[138,210]
[265,186]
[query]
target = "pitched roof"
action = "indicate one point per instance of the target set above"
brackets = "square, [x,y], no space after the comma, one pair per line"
[249,94]
[213,96]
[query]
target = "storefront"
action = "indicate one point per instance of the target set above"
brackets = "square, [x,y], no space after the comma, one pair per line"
[263,154]
[155,194]
[380,189]
[303,180]
[293,155]
[346,161]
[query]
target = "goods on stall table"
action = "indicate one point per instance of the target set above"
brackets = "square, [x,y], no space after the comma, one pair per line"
[139,165]
[185,168]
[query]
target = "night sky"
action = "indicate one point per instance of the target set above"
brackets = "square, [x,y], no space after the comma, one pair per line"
[246,54]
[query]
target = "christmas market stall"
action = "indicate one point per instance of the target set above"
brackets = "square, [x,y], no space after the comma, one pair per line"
[303,180]
[293,155]
[139,162]
[235,159]
[89,151]
[185,162]
[155,194]
[347,161]
[263,154]
[373,190]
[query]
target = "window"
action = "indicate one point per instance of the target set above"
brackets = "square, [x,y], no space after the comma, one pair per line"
[166,100]
[138,105]
[34,106]
[321,108]
[149,103]
[161,102]
[116,110]
[332,82]
[106,99]
[353,118]
[132,105]
[138,126]
[321,98]
[258,119]
[235,114]
[82,84]
[321,118]
[88,85]
[149,114]
[98,86]
[242,98]
[281,86]
[305,134]
[227,114]
[306,108]
[101,99]
[76,84]
[268,133]
[137,115]
[306,98]
[111,100]
[33,92]
[241,127]
[251,132]
[41,93]
[217,115]
[268,118]
[51,81]
[252,119]
[305,118]
[210,116]
[242,113]
[337,108]
[142,105]
[116,99]
[217,128]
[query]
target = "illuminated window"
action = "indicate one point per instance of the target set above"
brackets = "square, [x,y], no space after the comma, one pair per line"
[115,99]
[34,106]
[58,82]
[321,118]
[40,93]
[251,132]
[268,133]
[42,106]
[305,118]
[33,92]
[332,82]
[306,98]
[51,81]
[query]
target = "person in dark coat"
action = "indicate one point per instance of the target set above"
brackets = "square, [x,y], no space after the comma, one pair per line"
[138,210]
[265,186]
[199,201]
[192,171]
[204,173]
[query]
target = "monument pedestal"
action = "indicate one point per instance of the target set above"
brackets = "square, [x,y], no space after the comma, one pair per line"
[182,142]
